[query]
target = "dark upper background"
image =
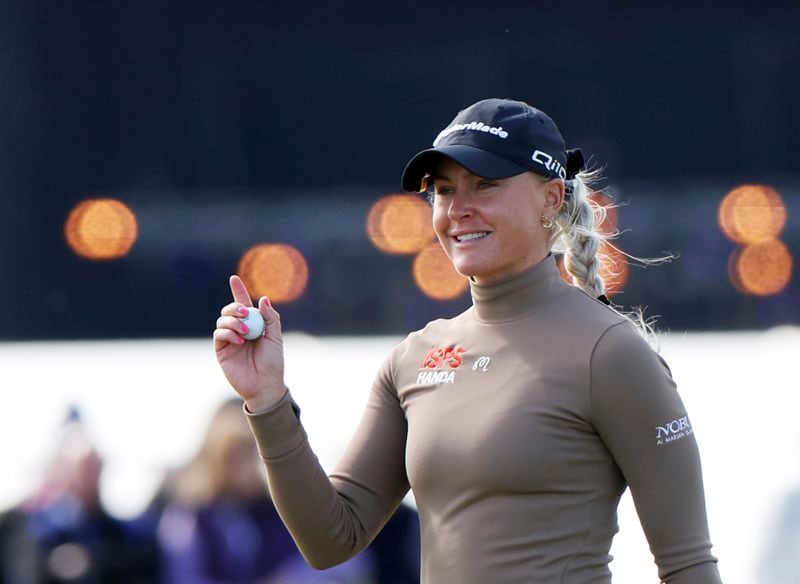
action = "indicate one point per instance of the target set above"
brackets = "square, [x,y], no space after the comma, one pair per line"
[223,125]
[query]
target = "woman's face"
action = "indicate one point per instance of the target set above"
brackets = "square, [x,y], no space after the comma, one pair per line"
[492,228]
[243,478]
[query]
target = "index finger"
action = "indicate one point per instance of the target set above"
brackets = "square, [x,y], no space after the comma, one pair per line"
[239,291]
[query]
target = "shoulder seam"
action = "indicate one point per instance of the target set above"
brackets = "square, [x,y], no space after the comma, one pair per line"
[395,357]
[591,358]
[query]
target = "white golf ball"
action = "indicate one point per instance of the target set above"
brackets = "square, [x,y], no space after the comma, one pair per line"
[255,322]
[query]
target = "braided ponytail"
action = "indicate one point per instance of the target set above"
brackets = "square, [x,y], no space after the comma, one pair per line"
[578,236]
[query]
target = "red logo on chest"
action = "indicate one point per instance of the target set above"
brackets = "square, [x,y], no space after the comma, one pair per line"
[441,356]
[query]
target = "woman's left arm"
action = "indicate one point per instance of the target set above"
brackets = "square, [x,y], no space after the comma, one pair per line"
[639,415]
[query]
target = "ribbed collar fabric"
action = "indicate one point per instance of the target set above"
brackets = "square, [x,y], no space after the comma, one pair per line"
[518,295]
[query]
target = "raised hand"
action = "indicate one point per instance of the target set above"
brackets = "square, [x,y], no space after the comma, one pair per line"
[253,368]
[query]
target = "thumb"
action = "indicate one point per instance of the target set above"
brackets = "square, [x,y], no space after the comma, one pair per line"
[271,318]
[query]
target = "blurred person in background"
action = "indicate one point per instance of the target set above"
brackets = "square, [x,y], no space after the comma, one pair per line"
[393,556]
[62,533]
[396,549]
[518,423]
[217,527]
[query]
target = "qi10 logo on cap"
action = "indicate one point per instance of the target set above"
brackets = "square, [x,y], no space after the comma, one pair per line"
[549,163]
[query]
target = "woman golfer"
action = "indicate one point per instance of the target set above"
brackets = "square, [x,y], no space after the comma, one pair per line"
[519,423]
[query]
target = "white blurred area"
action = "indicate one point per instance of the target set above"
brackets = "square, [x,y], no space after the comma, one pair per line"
[146,403]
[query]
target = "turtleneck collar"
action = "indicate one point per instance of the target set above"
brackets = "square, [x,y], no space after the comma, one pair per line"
[517,295]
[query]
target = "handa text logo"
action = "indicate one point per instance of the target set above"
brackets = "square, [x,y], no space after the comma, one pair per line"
[674,430]
[432,372]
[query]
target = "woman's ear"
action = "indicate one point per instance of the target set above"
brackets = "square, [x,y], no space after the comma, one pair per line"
[554,195]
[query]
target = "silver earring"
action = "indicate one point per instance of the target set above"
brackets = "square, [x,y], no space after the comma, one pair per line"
[547,222]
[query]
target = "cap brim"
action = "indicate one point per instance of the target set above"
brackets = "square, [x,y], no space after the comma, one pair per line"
[478,162]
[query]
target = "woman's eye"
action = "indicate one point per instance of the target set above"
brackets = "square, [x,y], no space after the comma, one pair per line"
[443,190]
[484,185]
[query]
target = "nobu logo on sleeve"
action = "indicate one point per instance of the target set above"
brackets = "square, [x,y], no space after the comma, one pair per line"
[439,364]
[674,430]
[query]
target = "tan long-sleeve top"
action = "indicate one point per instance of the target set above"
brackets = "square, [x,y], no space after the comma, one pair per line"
[518,424]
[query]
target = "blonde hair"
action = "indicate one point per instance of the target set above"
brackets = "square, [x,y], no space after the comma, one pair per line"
[577,235]
[205,478]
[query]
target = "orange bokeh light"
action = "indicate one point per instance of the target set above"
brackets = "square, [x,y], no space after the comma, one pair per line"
[610,222]
[614,269]
[101,229]
[761,269]
[435,275]
[400,224]
[733,270]
[275,270]
[564,274]
[752,214]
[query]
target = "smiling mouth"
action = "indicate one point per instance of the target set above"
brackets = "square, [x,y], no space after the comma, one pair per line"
[471,236]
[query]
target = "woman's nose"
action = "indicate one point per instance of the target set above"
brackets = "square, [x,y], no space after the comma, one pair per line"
[460,206]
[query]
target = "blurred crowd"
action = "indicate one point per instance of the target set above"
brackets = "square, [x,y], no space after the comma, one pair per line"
[211,522]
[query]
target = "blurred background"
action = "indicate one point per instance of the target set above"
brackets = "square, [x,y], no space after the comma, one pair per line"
[222,129]
[150,150]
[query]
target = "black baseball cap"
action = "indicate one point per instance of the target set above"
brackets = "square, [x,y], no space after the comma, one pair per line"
[494,139]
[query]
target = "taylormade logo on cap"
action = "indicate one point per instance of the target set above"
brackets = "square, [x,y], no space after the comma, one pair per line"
[473,126]
[528,141]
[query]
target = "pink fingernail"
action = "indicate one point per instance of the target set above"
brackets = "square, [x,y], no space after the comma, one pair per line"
[245,328]
[243,311]
[239,340]
[268,302]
